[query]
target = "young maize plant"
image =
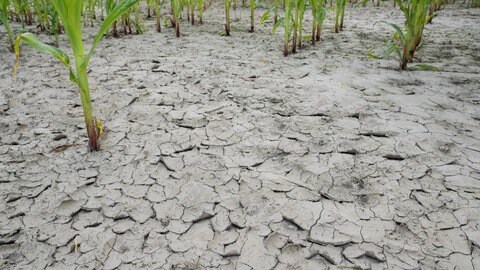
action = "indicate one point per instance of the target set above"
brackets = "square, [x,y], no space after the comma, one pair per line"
[70,15]
[201,8]
[109,7]
[41,9]
[47,17]
[293,19]
[253,5]
[191,10]
[90,11]
[287,21]
[405,43]
[5,20]
[319,12]
[435,6]
[177,6]
[276,6]
[300,8]
[416,15]
[55,27]
[150,7]
[227,17]
[137,21]
[126,23]
[339,15]
[22,7]
[157,6]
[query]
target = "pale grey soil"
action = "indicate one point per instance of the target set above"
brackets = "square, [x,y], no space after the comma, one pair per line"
[222,154]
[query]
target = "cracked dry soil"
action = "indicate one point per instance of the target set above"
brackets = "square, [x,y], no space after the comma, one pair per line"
[222,154]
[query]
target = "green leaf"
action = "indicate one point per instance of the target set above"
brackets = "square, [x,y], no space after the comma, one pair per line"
[397,30]
[70,13]
[32,41]
[275,26]
[265,16]
[426,67]
[371,54]
[392,48]
[5,20]
[3,5]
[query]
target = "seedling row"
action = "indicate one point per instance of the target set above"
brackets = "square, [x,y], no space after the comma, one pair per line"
[124,17]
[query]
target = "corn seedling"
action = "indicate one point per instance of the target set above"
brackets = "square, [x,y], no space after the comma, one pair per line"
[69,12]
[287,21]
[129,20]
[416,16]
[201,8]
[253,5]
[47,17]
[54,22]
[137,21]
[90,11]
[126,23]
[227,17]
[101,5]
[404,43]
[319,11]
[41,9]
[5,21]
[292,23]
[276,6]
[22,7]
[150,7]
[177,7]
[339,15]
[109,7]
[157,6]
[435,5]
[187,4]
[300,7]
[191,10]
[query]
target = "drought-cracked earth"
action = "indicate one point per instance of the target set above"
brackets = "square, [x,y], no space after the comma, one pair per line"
[220,153]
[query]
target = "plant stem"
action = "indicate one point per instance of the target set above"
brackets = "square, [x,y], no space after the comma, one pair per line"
[252,16]
[82,81]
[342,14]
[287,27]
[227,17]
[319,29]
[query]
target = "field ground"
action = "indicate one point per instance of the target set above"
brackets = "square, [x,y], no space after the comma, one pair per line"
[220,153]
